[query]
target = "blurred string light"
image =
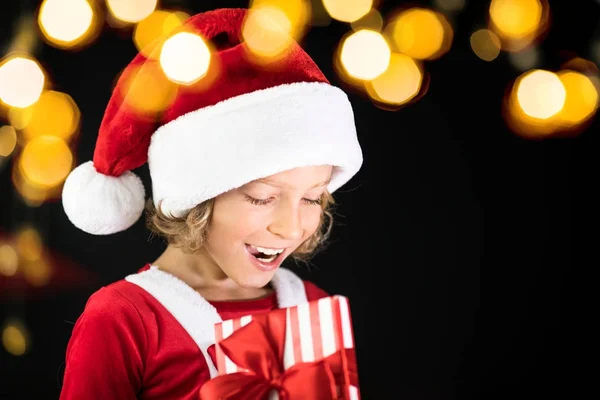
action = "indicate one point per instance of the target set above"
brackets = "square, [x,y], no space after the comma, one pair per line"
[131,11]
[54,113]
[347,10]
[518,23]
[185,58]
[150,33]
[271,27]
[9,260]
[420,33]
[68,24]
[42,122]
[450,6]
[46,161]
[540,94]
[399,84]
[485,44]
[542,103]
[373,20]
[8,140]
[365,54]
[15,337]
[386,57]
[22,81]
[25,255]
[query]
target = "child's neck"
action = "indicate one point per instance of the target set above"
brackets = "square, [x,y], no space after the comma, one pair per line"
[201,273]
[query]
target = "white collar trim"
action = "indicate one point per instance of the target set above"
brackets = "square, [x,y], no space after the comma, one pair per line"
[195,314]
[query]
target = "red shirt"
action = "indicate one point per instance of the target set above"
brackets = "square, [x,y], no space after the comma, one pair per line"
[127,345]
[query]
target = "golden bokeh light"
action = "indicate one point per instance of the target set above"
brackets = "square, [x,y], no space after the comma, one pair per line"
[14,338]
[420,33]
[131,11]
[22,81]
[147,89]
[540,93]
[37,272]
[450,5]
[8,140]
[365,54]
[516,19]
[185,58]
[581,101]
[373,20]
[485,44]
[29,245]
[63,28]
[347,10]
[32,194]
[20,117]
[150,33]
[518,23]
[54,114]
[46,161]
[400,82]
[297,14]
[9,260]
[266,32]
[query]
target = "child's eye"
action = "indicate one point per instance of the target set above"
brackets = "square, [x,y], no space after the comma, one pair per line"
[316,202]
[262,202]
[257,202]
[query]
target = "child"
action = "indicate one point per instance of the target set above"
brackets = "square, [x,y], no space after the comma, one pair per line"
[242,175]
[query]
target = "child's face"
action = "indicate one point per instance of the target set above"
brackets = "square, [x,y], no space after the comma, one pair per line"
[278,212]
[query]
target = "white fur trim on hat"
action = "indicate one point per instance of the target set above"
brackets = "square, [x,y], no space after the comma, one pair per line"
[100,204]
[215,149]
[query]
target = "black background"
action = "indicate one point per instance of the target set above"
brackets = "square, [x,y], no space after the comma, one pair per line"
[467,252]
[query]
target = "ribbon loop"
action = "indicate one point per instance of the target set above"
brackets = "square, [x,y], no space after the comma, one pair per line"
[257,348]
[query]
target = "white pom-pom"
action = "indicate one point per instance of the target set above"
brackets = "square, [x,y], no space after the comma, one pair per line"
[100,204]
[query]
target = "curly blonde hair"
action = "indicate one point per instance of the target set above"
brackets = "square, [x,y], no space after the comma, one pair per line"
[189,232]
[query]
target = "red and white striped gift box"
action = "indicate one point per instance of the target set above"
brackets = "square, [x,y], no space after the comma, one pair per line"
[314,330]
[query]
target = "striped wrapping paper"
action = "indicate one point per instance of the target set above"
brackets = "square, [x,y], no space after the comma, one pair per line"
[302,343]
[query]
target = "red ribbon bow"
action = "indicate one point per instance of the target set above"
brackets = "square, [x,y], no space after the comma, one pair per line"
[258,348]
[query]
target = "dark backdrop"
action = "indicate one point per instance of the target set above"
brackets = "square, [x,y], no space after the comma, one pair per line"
[466,251]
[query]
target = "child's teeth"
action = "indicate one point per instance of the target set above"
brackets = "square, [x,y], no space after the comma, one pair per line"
[268,251]
[267,259]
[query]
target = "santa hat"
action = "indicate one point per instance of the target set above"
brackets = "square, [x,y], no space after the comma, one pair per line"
[249,122]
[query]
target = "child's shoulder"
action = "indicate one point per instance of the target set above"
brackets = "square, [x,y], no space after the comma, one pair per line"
[119,295]
[313,292]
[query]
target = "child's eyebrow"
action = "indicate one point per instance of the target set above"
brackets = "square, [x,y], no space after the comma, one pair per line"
[279,184]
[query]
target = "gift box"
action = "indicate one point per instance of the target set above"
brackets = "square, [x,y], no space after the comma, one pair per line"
[296,353]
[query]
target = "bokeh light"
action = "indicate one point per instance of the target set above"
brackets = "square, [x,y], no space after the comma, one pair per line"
[485,44]
[400,82]
[22,81]
[67,23]
[185,58]
[8,140]
[55,114]
[518,23]
[131,11]
[147,89]
[581,101]
[15,337]
[541,94]
[46,161]
[150,33]
[365,54]
[266,32]
[347,10]
[420,33]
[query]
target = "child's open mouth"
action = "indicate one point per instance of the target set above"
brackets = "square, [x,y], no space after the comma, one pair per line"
[266,258]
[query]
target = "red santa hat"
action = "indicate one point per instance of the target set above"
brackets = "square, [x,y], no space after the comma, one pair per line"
[249,122]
